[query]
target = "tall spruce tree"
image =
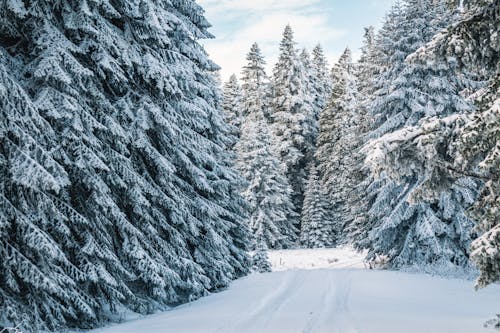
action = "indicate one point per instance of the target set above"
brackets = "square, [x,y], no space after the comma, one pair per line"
[312,89]
[322,82]
[367,69]
[337,142]
[232,106]
[126,198]
[447,149]
[423,231]
[293,116]
[272,218]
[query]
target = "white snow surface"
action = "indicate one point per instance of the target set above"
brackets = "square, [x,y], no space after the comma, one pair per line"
[344,257]
[336,297]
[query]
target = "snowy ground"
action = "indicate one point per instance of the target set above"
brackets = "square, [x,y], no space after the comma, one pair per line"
[316,258]
[339,297]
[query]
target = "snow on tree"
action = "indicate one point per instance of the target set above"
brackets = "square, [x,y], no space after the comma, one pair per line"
[417,231]
[447,149]
[121,192]
[272,218]
[260,259]
[322,81]
[366,70]
[316,229]
[376,192]
[337,142]
[293,116]
[312,90]
[367,66]
[255,84]
[232,106]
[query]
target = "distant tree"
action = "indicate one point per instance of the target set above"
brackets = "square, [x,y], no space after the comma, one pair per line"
[260,258]
[322,81]
[336,144]
[293,116]
[316,227]
[272,218]
[232,107]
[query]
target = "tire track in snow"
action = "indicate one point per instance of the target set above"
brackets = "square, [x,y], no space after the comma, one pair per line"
[334,314]
[273,301]
[342,318]
[314,321]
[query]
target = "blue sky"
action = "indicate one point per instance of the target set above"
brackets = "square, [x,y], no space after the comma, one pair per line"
[333,23]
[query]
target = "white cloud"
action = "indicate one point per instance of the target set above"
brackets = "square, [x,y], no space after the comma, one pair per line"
[264,22]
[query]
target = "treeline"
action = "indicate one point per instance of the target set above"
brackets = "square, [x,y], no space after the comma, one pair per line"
[397,153]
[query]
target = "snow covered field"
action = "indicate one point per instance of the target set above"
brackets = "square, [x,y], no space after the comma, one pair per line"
[330,299]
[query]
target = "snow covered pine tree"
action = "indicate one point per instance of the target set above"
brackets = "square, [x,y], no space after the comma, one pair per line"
[232,106]
[459,145]
[293,116]
[418,230]
[337,142]
[116,188]
[272,216]
[316,227]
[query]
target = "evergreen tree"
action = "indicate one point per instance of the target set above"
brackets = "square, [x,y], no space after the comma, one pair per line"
[256,87]
[377,192]
[260,258]
[367,66]
[322,81]
[447,149]
[128,196]
[367,69]
[292,117]
[312,90]
[423,231]
[232,106]
[316,229]
[272,217]
[337,142]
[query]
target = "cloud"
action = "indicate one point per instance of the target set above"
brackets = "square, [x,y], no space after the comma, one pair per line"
[263,21]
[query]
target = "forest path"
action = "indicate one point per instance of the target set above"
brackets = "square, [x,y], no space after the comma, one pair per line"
[329,300]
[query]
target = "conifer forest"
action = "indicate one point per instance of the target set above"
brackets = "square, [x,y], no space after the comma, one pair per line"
[135,179]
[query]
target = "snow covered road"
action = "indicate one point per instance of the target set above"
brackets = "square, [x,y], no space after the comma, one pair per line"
[330,301]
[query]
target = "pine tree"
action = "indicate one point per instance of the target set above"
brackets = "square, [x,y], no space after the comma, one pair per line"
[424,231]
[292,117]
[377,192]
[367,69]
[311,90]
[260,258]
[272,217]
[337,142]
[322,81]
[255,85]
[447,149]
[367,66]
[232,106]
[316,229]
[128,194]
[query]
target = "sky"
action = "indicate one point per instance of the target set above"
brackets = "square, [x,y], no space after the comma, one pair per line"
[335,24]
